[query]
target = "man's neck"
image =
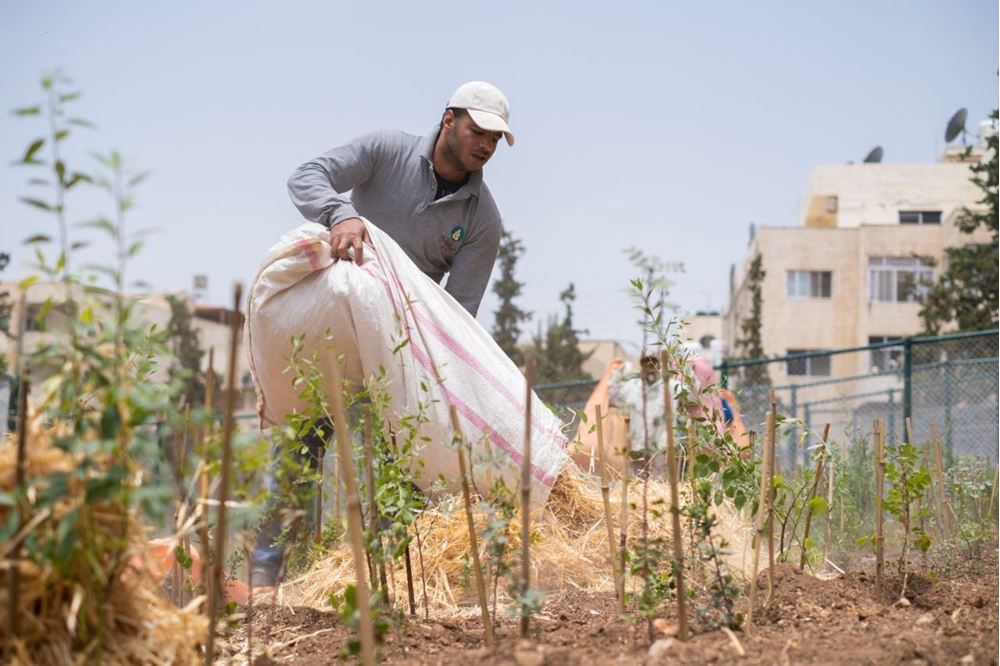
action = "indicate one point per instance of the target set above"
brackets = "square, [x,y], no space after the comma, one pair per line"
[445,164]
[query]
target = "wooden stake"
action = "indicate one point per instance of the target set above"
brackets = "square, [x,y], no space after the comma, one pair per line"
[945,509]
[758,526]
[829,512]
[529,376]
[476,567]
[771,433]
[217,588]
[355,519]
[203,485]
[14,573]
[923,554]
[820,456]
[675,503]
[374,519]
[602,464]
[411,597]
[879,489]
[248,553]
[318,510]
[623,526]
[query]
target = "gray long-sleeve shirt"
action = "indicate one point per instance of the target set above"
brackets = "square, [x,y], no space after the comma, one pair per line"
[388,178]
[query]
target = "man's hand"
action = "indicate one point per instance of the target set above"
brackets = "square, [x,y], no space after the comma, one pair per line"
[345,235]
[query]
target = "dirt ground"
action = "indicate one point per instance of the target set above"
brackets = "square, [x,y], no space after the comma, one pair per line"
[949,619]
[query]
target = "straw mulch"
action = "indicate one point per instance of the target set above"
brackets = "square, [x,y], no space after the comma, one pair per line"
[58,611]
[570,549]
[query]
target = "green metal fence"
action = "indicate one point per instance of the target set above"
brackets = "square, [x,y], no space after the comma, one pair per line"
[951,381]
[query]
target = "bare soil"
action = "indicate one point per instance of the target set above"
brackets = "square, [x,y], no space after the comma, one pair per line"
[946,619]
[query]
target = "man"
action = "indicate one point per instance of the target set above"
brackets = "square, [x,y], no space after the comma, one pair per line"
[428,194]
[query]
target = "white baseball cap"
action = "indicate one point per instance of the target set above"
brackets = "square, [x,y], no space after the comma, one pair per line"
[487,106]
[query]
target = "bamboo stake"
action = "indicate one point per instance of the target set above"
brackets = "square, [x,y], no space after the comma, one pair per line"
[820,455]
[879,488]
[772,426]
[623,527]
[945,510]
[675,505]
[203,486]
[374,519]
[602,464]
[318,518]
[411,597]
[248,553]
[923,554]
[829,513]
[529,377]
[476,567]
[423,575]
[758,526]
[217,588]
[14,573]
[355,519]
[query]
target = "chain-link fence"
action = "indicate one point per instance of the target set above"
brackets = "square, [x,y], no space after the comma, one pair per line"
[949,381]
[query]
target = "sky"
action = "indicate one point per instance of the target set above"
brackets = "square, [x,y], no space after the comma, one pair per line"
[666,126]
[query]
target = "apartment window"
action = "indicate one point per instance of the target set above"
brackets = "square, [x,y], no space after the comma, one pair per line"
[920,217]
[898,279]
[809,284]
[818,366]
[887,358]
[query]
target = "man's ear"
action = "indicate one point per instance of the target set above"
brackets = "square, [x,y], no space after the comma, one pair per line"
[448,119]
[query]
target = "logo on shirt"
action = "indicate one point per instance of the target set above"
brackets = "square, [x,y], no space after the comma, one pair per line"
[457,234]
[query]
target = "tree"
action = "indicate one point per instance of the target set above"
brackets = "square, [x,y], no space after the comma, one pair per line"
[508,317]
[751,343]
[966,291]
[187,349]
[557,351]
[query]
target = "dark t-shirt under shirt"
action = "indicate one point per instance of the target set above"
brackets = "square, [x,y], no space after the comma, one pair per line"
[446,187]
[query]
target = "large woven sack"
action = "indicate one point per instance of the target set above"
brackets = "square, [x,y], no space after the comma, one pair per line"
[368,311]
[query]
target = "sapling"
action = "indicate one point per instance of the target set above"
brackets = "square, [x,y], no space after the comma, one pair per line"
[908,484]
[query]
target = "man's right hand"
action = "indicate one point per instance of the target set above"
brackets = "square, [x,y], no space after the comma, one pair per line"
[350,233]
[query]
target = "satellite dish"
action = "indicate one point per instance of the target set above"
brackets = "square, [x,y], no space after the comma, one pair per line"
[875,156]
[956,126]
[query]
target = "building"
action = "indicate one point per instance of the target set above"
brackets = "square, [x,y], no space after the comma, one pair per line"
[870,237]
[211,324]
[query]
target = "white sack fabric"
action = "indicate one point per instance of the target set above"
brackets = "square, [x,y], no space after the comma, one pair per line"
[369,310]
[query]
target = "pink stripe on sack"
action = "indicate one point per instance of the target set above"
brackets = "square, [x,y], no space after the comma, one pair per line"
[308,245]
[462,352]
[546,478]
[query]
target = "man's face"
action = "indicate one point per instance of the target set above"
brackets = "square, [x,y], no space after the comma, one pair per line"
[470,145]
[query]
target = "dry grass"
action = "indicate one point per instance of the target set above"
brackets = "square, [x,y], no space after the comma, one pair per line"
[570,549]
[57,609]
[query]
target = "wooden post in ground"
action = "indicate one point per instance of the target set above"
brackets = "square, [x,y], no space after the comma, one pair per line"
[945,509]
[675,502]
[355,519]
[14,573]
[203,485]
[217,587]
[623,526]
[820,457]
[829,511]
[602,464]
[529,376]
[913,441]
[758,527]
[879,490]
[771,434]
[477,569]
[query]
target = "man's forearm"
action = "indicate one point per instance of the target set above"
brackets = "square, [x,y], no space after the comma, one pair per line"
[312,193]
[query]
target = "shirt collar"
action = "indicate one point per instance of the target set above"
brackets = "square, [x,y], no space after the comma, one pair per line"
[427,143]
